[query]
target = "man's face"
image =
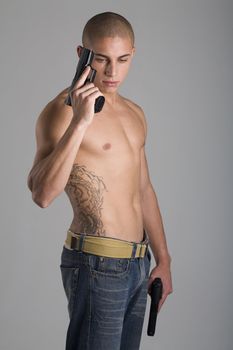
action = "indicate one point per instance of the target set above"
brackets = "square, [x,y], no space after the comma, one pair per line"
[112,60]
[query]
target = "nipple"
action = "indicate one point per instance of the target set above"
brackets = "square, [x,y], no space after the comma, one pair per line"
[107,146]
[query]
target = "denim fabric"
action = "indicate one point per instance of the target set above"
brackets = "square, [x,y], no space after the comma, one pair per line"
[106,300]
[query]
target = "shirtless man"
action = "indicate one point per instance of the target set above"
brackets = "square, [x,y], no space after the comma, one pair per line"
[99,160]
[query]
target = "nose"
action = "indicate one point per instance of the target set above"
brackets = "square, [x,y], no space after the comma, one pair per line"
[110,70]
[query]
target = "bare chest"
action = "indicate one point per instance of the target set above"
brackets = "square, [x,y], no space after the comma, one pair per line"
[113,136]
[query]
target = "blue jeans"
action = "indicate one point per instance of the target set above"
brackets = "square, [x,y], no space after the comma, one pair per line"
[106,300]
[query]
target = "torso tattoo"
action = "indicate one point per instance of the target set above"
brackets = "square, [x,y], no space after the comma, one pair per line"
[85,190]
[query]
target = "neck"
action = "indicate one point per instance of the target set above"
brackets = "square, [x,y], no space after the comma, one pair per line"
[111,98]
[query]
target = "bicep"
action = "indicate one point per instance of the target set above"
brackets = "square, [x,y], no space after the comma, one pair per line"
[49,129]
[42,152]
[45,133]
[44,146]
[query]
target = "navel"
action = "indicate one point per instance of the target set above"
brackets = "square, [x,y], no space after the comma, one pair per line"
[107,146]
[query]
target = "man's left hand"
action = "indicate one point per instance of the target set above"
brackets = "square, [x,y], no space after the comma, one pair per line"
[163,271]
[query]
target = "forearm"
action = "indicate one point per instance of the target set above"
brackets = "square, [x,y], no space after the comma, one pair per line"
[51,174]
[153,224]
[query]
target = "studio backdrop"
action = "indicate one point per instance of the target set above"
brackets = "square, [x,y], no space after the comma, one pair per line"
[182,77]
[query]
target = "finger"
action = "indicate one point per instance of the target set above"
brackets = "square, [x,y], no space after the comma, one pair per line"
[82,89]
[82,78]
[94,95]
[162,300]
[85,87]
[91,96]
[159,306]
[88,92]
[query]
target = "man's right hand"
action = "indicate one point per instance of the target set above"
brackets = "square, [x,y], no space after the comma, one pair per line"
[83,99]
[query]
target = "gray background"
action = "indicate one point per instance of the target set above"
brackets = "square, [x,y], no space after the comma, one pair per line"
[182,77]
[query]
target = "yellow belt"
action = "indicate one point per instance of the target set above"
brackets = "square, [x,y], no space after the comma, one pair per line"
[105,246]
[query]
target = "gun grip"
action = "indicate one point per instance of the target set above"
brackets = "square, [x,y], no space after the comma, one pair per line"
[99,102]
[156,294]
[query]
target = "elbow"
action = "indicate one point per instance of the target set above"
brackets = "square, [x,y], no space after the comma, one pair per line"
[36,197]
[41,198]
[42,203]
[44,197]
[29,182]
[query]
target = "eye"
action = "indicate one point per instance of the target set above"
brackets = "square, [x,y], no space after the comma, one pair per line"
[100,60]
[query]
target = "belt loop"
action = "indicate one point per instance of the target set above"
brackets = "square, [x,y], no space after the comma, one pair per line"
[140,250]
[145,237]
[134,248]
[73,242]
[81,242]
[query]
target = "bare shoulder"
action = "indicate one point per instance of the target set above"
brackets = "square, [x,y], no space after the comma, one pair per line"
[54,118]
[138,110]
[51,124]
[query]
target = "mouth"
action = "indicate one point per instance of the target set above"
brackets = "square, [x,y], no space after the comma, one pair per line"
[110,83]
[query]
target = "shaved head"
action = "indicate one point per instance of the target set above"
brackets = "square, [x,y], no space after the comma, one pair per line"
[106,24]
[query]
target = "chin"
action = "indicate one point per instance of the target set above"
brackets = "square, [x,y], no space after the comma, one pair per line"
[106,88]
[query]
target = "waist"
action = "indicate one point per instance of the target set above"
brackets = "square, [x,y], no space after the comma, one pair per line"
[108,246]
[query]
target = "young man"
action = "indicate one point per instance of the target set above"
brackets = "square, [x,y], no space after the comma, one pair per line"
[99,160]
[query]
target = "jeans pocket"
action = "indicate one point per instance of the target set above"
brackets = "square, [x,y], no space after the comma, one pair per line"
[108,266]
[70,282]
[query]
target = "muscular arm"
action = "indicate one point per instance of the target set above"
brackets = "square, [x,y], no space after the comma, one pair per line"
[58,140]
[152,219]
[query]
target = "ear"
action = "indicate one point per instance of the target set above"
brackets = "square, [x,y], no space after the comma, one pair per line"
[133,51]
[79,50]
